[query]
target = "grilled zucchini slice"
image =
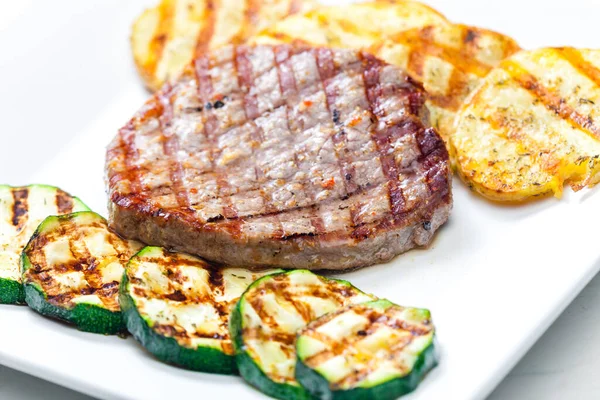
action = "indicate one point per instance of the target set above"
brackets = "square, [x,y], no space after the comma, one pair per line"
[375,350]
[449,59]
[532,126]
[21,211]
[265,320]
[166,38]
[72,267]
[177,306]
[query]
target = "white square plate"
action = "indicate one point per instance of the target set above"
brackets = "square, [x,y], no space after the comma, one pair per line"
[495,276]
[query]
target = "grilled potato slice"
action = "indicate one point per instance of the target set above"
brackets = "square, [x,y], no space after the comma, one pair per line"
[355,26]
[532,126]
[448,59]
[167,37]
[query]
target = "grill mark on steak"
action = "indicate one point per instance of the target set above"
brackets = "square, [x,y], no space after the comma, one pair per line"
[205,92]
[373,91]
[243,71]
[288,84]
[288,94]
[245,75]
[276,213]
[327,71]
[130,155]
[171,147]
[434,153]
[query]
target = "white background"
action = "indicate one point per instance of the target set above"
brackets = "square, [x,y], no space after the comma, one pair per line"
[495,278]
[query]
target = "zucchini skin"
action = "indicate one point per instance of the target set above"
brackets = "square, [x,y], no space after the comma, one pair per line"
[316,384]
[11,292]
[251,372]
[86,317]
[166,349]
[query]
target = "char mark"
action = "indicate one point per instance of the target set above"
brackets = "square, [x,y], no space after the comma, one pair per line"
[215,277]
[176,296]
[336,117]
[297,235]
[552,100]
[470,36]
[575,58]
[374,92]
[64,202]
[20,207]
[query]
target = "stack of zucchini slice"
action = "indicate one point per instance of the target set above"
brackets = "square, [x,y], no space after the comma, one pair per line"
[299,335]
[291,334]
[268,316]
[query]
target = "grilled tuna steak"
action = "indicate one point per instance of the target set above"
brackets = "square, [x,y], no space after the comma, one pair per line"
[282,156]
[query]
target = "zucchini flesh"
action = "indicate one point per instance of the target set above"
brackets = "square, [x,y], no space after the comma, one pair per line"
[177,306]
[375,350]
[72,268]
[22,209]
[264,323]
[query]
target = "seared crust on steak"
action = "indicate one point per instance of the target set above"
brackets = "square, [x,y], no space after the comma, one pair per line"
[282,156]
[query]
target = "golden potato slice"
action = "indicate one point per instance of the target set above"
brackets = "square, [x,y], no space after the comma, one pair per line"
[354,26]
[167,37]
[532,126]
[448,59]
